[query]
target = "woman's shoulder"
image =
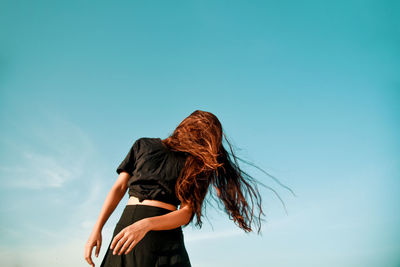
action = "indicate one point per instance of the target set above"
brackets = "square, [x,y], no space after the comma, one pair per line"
[146,142]
[145,139]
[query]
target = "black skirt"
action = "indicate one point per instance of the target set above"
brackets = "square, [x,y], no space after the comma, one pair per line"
[156,249]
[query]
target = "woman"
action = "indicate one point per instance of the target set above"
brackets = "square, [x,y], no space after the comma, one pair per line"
[162,174]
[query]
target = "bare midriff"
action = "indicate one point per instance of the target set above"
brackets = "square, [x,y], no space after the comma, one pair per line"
[135,201]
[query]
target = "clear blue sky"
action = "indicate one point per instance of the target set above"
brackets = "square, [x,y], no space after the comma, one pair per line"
[307,90]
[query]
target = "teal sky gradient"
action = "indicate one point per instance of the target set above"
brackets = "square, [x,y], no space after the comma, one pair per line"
[307,90]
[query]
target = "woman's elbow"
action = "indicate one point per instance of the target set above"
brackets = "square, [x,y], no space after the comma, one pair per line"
[188,211]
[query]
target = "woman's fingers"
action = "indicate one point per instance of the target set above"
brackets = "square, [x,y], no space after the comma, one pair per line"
[131,247]
[126,245]
[117,238]
[98,246]
[94,240]
[120,243]
[127,238]
[88,253]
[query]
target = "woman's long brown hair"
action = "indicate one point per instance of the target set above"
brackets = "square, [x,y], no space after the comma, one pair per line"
[208,163]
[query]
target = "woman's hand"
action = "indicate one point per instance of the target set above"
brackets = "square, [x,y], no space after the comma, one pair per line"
[128,237]
[94,240]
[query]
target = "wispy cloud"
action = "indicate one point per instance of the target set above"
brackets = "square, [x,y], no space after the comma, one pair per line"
[37,171]
[54,153]
[49,153]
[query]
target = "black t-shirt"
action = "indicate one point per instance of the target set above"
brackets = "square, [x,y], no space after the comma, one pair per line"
[154,170]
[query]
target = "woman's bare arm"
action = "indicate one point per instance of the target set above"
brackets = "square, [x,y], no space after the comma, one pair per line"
[113,197]
[170,220]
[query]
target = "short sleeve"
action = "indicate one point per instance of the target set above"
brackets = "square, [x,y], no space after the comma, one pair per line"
[128,163]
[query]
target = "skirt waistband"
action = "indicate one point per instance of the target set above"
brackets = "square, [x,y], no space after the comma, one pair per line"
[144,206]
